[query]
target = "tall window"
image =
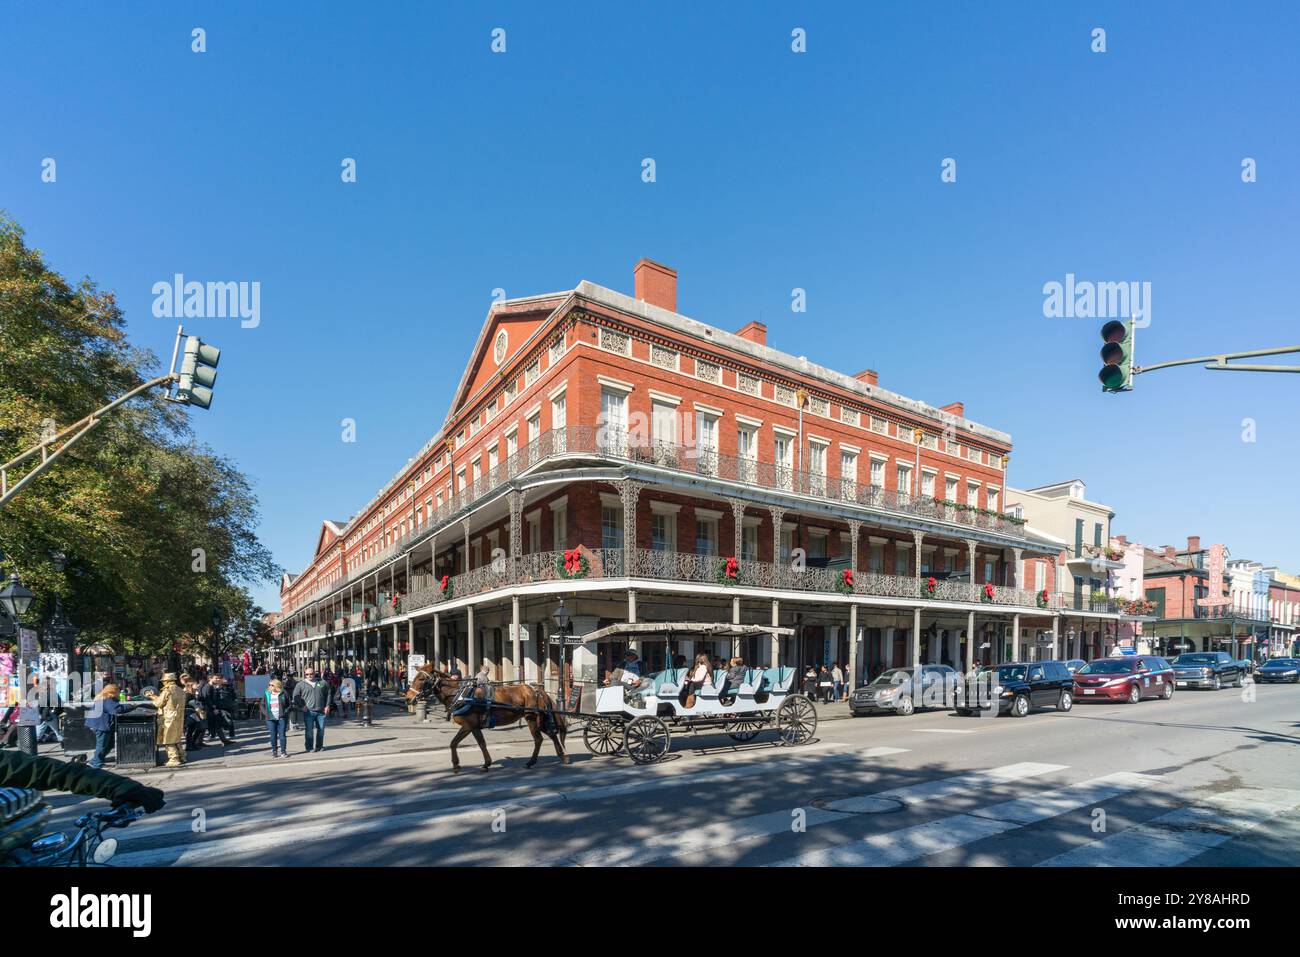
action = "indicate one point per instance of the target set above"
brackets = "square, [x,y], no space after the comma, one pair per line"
[877,473]
[663,430]
[747,452]
[535,534]
[611,526]
[749,542]
[784,448]
[817,468]
[848,475]
[973,494]
[706,536]
[707,442]
[950,488]
[512,444]
[993,496]
[876,558]
[559,421]
[663,531]
[613,419]
[560,527]
[787,543]
[927,484]
[903,560]
[904,485]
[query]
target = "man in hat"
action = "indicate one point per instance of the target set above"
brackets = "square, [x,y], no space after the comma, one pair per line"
[170,703]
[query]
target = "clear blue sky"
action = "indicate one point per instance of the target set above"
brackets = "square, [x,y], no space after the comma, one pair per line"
[775,170]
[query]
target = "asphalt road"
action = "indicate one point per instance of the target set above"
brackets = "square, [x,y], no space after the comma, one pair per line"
[1204,779]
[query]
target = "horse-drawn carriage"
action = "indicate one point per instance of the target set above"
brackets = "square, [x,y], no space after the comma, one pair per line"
[639,719]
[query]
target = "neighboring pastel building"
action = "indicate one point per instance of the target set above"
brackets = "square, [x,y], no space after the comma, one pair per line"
[606,451]
[1193,598]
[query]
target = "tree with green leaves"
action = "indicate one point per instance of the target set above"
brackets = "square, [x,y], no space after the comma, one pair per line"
[157,528]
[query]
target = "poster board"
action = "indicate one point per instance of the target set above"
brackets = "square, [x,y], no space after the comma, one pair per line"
[255,687]
[8,680]
[413,663]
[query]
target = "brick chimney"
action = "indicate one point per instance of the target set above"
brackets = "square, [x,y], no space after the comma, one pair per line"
[956,408]
[1122,539]
[868,376]
[1193,543]
[754,332]
[1170,552]
[656,284]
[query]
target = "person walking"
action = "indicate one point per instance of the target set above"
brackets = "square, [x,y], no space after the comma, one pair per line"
[825,685]
[103,721]
[277,718]
[837,675]
[315,698]
[223,697]
[348,697]
[290,683]
[170,702]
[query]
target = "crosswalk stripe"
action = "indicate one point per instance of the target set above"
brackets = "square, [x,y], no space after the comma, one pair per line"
[913,843]
[1177,836]
[455,818]
[730,833]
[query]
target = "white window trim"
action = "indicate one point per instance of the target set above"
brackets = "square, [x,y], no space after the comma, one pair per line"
[616,385]
[709,410]
[534,411]
[818,440]
[610,500]
[558,391]
[750,521]
[747,421]
[534,515]
[708,514]
[788,433]
[664,508]
[664,397]
[559,503]
[878,457]
[845,447]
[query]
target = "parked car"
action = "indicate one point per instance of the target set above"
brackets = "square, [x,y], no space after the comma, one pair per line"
[892,690]
[1074,664]
[1018,687]
[1130,678]
[1280,669]
[1207,669]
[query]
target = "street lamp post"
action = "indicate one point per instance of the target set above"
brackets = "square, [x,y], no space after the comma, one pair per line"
[563,626]
[16,599]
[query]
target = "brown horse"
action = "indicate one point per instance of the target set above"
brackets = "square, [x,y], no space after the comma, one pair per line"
[509,704]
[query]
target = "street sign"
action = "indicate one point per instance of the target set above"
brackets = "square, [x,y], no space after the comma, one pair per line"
[413,663]
[27,643]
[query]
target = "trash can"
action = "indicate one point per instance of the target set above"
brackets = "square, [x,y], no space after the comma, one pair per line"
[137,733]
[77,738]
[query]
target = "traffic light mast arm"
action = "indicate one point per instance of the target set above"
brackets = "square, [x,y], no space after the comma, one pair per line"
[1221,361]
[68,437]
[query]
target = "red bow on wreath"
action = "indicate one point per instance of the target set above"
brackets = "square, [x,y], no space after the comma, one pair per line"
[442,585]
[848,577]
[988,589]
[929,583]
[572,560]
[733,567]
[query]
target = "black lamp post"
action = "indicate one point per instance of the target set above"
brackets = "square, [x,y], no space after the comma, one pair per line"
[563,627]
[16,599]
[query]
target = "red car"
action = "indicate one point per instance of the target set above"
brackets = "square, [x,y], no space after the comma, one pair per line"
[1130,679]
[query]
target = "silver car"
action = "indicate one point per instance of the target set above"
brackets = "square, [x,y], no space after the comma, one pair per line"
[893,690]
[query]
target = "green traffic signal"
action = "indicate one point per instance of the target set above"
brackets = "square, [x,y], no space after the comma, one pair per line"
[198,373]
[1117,355]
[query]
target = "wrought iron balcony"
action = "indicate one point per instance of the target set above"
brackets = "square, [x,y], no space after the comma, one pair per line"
[602,443]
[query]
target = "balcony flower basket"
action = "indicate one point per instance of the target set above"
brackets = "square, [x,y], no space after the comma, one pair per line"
[928,587]
[729,572]
[1099,596]
[573,565]
[844,584]
[1112,553]
[1041,598]
[988,594]
[445,587]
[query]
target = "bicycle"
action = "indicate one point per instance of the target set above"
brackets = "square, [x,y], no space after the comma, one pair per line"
[88,847]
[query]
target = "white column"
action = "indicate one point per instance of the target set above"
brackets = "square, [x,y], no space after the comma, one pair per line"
[472,662]
[437,641]
[776,621]
[1056,633]
[517,652]
[850,679]
[916,638]
[970,642]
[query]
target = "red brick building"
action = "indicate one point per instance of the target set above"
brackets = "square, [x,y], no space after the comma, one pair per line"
[659,447]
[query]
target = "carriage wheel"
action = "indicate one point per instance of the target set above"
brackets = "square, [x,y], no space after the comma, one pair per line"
[796,720]
[745,729]
[603,736]
[646,739]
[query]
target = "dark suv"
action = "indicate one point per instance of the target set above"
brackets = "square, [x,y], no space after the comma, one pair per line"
[1207,669]
[1018,687]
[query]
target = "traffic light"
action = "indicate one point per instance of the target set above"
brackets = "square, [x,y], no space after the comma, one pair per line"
[198,373]
[1117,354]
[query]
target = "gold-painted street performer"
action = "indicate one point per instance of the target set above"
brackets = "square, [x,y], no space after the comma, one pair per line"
[170,703]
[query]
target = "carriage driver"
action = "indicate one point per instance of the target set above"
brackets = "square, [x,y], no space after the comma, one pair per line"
[632,680]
